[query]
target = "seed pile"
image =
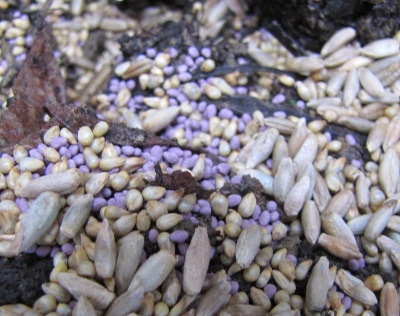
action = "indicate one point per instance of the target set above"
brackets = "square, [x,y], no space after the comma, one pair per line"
[121,245]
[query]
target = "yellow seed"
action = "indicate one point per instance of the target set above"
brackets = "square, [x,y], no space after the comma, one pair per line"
[232,230]
[85,135]
[19,153]
[67,134]
[98,144]
[92,161]
[51,133]
[207,65]
[100,129]
[374,282]
[251,273]
[51,155]
[6,165]
[30,164]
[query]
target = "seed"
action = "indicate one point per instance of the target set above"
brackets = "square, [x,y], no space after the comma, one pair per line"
[153,192]
[63,183]
[83,307]
[45,304]
[105,251]
[96,182]
[337,40]
[51,133]
[207,65]
[107,164]
[30,164]
[355,288]
[284,179]
[248,245]
[318,286]
[187,203]
[39,218]
[374,282]
[51,155]
[247,205]
[341,56]
[296,196]
[196,262]
[151,273]
[168,221]
[305,64]
[339,247]
[381,48]
[78,286]
[389,301]
[370,83]
[212,301]
[76,215]
[159,119]
[310,219]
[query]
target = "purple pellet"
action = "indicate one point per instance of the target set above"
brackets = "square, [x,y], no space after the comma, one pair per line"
[65,152]
[270,290]
[206,52]
[138,98]
[98,203]
[179,236]
[84,169]
[173,92]
[41,148]
[31,249]
[280,114]
[188,134]
[180,261]
[173,102]
[182,68]
[190,162]
[245,223]
[357,163]
[347,301]
[168,70]
[113,88]
[54,251]
[79,159]
[49,168]
[151,52]
[269,228]
[157,152]
[234,200]
[185,76]
[241,61]
[234,142]
[130,84]
[34,153]
[225,114]
[128,150]
[182,247]
[205,210]
[224,168]
[23,204]
[195,125]
[353,264]
[138,152]
[361,263]
[214,171]
[269,163]
[106,192]
[236,179]
[279,98]
[71,164]
[204,126]
[211,111]
[189,60]
[58,142]
[193,51]
[74,149]
[214,222]
[171,157]
[292,258]
[234,287]
[201,106]
[68,248]
[153,234]
[199,60]
[350,140]
[194,220]
[241,90]
[257,213]
[207,173]
[43,251]
[272,206]
[215,142]
[173,52]
[300,104]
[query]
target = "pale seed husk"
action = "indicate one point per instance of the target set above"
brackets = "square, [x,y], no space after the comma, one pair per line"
[311,222]
[151,273]
[358,224]
[78,286]
[247,246]
[259,298]
[355,288]
[128,302]
[284,282]
[37,221]
[76,215]
[214,299]
[307,152]
[334,225]
[171,289]
[388,172]
[83,307]
[129,254]
[318,286]
[340,202]
[62,183]
[351,87]
[339,247]
[105,251]
[196,262]
[242,309]
[298,137]
[370,82]
[321,194]
[296,197]
[379,220]
[389,300]
[392,133]
[284,179]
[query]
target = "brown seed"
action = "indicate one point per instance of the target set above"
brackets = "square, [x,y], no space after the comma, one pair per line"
[310,219]
[196,262]
[379,220]
[339,247]
[318,286]
[389,301]
[212,301]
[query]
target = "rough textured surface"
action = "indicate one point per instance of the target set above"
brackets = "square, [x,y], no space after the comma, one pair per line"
[21,278]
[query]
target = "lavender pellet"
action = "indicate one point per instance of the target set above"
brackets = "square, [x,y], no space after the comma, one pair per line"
[194,220]
[68,248]
[193,51]
[179,236]
[84,169]
[353,264]
[98,203]
[71,164]
[210,111]
[58,142]
[128,150]
[257,212]
[234,287]
[225,114]
[106,192]
[236,179]
[189,60]
[214,222]
[183,247]
[361,263]
[74,149]
[205,210]
[43,251]
[292,258]
[234,142]
[224,168]
[153,234]
[79,159]
[350,140]
[279,98]
[34,153]
[65,152]
[270,290]
[206,52]
[31,249]
[347,301]
[23,204]
[272,206]
[41,148]
[168,70]
[49,168]
[54,251]
[234,200]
